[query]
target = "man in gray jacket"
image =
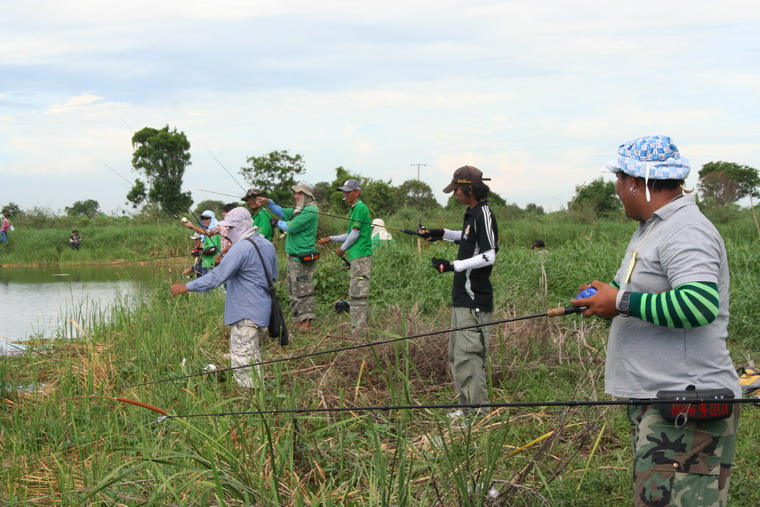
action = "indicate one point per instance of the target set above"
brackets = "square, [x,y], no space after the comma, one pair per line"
[248,304]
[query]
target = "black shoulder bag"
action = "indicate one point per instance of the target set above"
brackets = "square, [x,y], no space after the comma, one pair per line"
[277,327]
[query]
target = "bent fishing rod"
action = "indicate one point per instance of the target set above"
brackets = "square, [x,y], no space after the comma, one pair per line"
[553,312]
[405,231]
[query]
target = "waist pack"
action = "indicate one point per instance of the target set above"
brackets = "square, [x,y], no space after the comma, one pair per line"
[681,411]
[307,257]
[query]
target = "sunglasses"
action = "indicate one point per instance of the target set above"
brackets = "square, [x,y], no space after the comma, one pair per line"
[205,218]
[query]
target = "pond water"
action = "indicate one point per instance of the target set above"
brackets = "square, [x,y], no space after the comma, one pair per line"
[47,301]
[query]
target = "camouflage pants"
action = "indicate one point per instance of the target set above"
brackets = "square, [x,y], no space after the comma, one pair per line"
[468,349]
[301,289]
[681,466]
[358,291]
[245,342]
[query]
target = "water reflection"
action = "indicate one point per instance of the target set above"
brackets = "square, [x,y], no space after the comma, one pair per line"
[41,301]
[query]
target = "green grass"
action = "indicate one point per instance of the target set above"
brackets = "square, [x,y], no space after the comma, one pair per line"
[62,446]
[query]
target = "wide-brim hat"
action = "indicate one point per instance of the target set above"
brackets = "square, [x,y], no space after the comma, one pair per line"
[303,187]
[651,158]
[465,175]
[252,193]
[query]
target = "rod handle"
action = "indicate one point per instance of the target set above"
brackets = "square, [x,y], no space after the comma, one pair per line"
[564,310]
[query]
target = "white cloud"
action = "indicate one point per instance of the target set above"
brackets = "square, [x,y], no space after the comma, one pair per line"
[77,102]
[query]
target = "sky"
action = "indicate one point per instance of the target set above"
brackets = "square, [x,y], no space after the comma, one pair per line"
[538,95]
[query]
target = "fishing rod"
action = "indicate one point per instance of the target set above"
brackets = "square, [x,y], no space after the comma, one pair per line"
[405,231]
[553,312]
[225,169]
[515,404]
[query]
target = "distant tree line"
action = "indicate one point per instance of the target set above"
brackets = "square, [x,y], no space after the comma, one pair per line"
[161,156]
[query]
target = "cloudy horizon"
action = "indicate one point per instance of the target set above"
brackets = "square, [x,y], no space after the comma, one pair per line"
[537,95]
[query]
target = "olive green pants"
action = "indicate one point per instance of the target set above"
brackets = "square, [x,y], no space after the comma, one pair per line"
[468,350]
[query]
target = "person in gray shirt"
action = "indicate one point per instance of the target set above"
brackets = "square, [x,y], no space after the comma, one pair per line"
[669,308]
[248,304]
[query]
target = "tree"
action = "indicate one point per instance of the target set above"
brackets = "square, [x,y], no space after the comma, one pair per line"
[598,197]
[534,209]
[212,204]
[88,208]
[726,182]
[12,209]
[274,174]
[416,194]
[162,157]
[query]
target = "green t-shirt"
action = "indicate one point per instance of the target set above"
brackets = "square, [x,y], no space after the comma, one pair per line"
[360,219]
[302,230]
[262,220]
[207,261]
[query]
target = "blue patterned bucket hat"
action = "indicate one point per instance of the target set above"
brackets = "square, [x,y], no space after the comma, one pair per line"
[650,157]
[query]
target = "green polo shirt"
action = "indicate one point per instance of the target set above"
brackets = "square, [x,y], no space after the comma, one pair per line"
[360,219]
[302,230]
[207,261]
[261,219]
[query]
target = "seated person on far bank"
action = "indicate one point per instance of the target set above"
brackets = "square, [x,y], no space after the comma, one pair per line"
[75,240]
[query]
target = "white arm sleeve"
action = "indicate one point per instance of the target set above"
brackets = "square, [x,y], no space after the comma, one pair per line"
[449,235]
[479,261]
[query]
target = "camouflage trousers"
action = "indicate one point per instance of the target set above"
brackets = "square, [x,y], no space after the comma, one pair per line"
[690,465]
[358,292]
[468,349]
[301,289]
[245,343]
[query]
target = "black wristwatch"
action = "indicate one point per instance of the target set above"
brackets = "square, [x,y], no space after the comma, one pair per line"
[623,304]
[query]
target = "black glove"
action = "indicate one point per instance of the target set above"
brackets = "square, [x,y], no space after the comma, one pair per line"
[432,234]
[438,263]
[274,221]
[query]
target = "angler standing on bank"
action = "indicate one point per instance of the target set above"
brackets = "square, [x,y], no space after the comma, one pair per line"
[357,245]
[247,308]
[471,292]
[669,308]
[262,218]
[300,223]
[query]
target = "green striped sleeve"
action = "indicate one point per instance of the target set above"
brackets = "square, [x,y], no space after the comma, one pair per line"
[692,304]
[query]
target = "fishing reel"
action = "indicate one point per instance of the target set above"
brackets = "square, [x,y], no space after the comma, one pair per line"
[586,293]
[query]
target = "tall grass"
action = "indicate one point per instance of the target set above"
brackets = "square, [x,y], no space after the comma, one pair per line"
[69,441]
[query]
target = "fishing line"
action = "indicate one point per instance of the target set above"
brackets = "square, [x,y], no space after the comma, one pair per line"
[112,169]
[218,193]
[516,404]
[553,312]
[225,169]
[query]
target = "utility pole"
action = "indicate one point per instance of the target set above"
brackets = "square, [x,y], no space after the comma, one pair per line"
[418,169]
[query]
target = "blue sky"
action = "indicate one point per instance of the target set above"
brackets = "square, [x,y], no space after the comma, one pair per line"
[536,94]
